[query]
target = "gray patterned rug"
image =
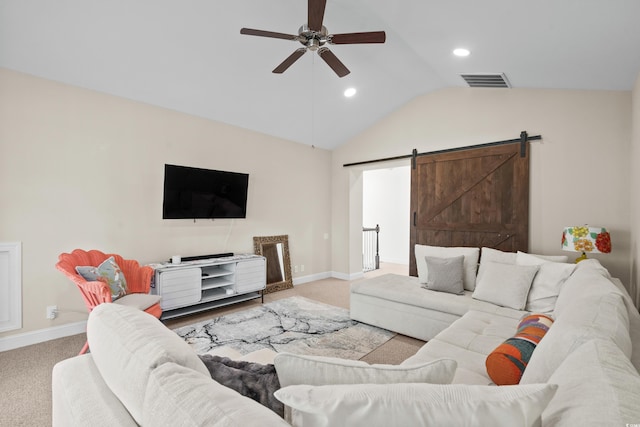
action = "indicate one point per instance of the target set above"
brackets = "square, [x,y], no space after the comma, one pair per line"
[295,325]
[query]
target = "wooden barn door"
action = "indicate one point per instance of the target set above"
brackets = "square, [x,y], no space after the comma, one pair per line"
[475,197]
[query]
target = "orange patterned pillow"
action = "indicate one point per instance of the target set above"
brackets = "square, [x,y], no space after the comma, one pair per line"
[506,364]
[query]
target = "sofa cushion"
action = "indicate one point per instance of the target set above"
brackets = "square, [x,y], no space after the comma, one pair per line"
[506,285]
[178,396]
[80,397]
[139,301]
[127,345]
[590,280]
[508,361]
[407,290]
[445,274]
[547,282]
[416,405]
[296,369]
[597,385]
[604,317]
[468,341]
[470,261]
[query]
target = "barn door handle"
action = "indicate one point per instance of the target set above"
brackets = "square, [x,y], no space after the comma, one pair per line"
[414,219]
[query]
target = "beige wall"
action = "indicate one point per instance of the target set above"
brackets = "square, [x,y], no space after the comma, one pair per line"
[635,194]
[80,169]
[579,171]
[84,169]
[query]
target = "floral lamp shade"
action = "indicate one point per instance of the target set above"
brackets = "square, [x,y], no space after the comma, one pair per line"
[586,239]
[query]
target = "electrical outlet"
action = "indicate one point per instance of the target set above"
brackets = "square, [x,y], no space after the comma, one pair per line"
[295,268]
[302,268]
[52,312]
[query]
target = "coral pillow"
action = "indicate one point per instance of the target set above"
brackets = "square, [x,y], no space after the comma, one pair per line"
[506,364]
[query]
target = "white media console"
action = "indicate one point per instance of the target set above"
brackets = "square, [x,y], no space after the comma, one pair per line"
[194,286]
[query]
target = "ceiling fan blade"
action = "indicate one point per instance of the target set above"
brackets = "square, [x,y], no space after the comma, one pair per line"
[354,38]
[333,62]
[289,61]
[315,11]
[261,33]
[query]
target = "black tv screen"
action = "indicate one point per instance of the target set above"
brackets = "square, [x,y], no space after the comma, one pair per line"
[203,193]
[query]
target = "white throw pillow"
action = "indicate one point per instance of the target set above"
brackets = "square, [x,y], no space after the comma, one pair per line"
[470,263]
[294,369]
[552,258]
[547,283]
[374,405]
[495,255]
[506,285]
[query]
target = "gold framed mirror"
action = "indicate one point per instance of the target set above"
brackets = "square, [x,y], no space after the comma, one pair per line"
[276,250]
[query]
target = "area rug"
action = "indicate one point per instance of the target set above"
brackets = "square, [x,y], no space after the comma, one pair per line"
[294,325]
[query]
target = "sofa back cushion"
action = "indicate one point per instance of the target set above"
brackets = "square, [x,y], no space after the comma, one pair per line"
[178,396]
[597,386]
[375,405]
[294,369]
[586,281]
[589,282]
[604,317]
[127,345]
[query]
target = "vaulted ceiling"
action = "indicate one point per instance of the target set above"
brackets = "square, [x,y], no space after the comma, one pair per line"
[189,55]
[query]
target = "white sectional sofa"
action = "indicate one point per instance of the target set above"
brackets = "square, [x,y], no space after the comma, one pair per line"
[591,351]
[584,371]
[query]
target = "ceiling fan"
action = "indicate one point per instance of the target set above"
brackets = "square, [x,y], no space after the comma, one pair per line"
[313,36]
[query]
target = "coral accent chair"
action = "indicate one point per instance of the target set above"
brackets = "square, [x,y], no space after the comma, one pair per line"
[97,292]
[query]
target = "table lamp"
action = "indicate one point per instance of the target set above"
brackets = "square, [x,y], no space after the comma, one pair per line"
[586,239]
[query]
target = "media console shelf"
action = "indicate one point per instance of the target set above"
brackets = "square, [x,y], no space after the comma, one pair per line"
[200,285]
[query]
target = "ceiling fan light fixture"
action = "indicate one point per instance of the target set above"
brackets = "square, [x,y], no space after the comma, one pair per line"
[313,44]
[313,36]
[461,52]
[349,92]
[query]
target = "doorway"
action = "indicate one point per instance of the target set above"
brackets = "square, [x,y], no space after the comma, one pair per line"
[386,202]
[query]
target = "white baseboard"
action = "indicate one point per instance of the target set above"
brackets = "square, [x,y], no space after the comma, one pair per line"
[42,335]
[310,278]
[395,261]
[345,276]
[326,275]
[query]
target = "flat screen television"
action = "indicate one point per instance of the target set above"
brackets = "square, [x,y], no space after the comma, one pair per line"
[203,193]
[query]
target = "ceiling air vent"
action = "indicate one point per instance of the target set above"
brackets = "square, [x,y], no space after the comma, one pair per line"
[486,80]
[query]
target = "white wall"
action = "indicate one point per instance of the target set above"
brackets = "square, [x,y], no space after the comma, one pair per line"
[386,202]
[634,161]
[580,170]
[80,169]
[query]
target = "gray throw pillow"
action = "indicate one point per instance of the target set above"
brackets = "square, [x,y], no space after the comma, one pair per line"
[445,274]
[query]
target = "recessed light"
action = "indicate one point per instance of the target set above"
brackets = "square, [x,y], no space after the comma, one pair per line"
[461,52]
[350,92]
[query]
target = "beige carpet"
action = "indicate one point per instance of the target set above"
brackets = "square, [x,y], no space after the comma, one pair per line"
[25,373]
